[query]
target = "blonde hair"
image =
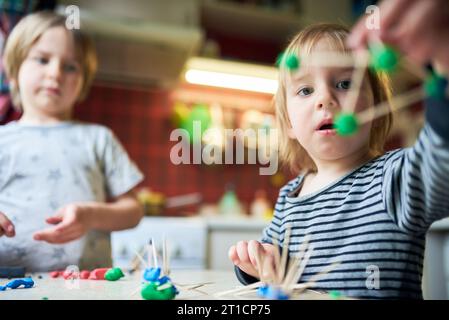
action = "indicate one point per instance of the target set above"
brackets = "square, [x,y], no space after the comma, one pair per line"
[27,32]
[292,154]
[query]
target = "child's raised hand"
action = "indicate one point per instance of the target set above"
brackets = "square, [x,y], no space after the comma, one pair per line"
[6,226]
[70,223]
[419,28]
[244,255]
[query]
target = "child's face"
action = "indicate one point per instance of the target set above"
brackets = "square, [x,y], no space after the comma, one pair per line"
[316,95]
[50,77]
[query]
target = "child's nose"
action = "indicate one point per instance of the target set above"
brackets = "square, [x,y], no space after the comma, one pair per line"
[325,99]
[54,70]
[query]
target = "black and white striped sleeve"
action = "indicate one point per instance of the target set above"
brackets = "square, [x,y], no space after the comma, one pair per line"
[416,180]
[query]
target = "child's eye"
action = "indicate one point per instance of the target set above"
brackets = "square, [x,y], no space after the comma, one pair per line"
[305,91]
[41,60]
[344,85]
[70,68]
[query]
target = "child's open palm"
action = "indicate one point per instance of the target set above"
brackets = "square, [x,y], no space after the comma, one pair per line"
[70,224]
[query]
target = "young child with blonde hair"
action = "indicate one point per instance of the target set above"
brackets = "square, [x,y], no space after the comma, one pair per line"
[59,179]
[364,208]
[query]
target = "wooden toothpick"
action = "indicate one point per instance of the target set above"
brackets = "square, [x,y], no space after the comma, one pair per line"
[315,278]
[260,264]
[154,253]
[165,258]
[296,268]
[139,256]
[384,108]
[240,289]
[284,252]
[415,70]
[295,261]
[330,59]
[362,60]
[277,261]
[149,254]
[301,268]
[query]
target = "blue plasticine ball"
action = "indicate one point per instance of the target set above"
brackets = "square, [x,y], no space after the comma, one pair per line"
[151,274]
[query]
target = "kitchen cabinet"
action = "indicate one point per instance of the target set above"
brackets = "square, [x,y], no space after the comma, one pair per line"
[436,262]
[193,242]
[223,233]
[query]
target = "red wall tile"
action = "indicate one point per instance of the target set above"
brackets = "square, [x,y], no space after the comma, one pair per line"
[141,120]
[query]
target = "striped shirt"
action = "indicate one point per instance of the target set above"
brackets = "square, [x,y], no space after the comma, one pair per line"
[372,220]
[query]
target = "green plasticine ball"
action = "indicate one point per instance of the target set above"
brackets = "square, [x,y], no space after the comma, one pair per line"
[384,58]
[113,274]
[435,86]
[334,294]
[150,292]
[291,61]
[346,124]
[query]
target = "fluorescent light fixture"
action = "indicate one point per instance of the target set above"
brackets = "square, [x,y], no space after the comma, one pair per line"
[231,75]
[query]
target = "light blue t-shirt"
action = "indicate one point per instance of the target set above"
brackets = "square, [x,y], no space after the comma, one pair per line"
[45,167]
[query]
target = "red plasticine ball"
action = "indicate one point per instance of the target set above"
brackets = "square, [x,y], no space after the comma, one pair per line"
[98,274]
[70,274]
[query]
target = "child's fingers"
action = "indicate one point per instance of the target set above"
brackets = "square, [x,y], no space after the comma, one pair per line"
[66,237]
[56,236]
[57,217]
[56,239]
[244,260]
[414,24]
[48,235]
[67,229]
[269,248]
[54,233]
[242,252]
[233,256]
[53,220]
[391,12]
[269,267]
[6,226]
[358,35]
[255,251]
[7,230]
[63,224]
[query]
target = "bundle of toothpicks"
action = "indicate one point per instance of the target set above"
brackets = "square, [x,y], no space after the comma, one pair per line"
[278,278]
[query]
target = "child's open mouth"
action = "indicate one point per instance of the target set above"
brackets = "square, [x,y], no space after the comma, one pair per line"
[326,128]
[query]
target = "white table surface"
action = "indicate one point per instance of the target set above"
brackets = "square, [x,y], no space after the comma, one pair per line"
[128,288]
